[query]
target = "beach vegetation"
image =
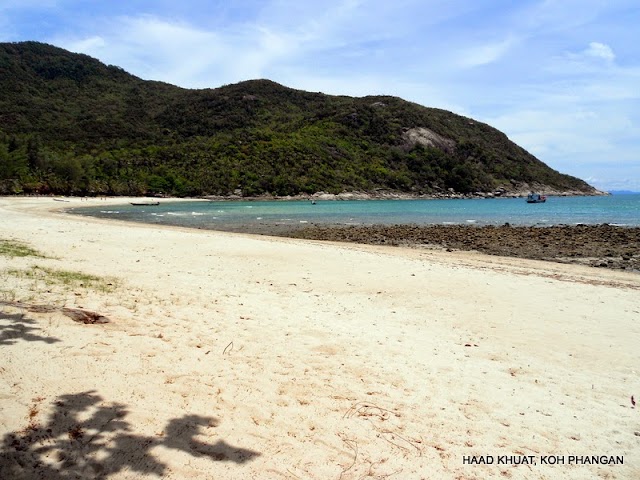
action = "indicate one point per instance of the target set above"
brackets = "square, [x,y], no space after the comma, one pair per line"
[14,248]
[66,278]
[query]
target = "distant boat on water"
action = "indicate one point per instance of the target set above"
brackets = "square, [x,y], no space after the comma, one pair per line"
[536,198]
[145,204]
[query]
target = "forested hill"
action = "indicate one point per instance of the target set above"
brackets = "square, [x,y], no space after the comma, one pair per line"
[70,124]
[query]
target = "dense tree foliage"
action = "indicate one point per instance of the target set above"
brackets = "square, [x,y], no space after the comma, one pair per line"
[70,124]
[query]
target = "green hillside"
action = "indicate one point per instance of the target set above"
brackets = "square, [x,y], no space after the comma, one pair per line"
[72,125]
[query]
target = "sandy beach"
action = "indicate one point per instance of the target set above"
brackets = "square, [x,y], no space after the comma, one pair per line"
[254,357]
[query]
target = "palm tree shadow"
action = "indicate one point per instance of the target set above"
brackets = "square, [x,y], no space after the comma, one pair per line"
[85,437]
[181,432]
[16,326]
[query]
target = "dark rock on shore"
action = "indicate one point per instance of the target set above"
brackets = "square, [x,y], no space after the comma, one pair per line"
[595,245]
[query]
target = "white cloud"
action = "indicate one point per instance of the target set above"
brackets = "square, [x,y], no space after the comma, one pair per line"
[596,58]
[273,40]
[600,50]
[181,54]
[604,180]
[485,54]
[87,45]
[582,143]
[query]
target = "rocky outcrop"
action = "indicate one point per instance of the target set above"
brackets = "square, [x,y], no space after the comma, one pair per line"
[595,245]
[427,138]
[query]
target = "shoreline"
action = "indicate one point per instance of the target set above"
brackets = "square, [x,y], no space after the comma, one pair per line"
[599,245]
[468,257]
[241,356]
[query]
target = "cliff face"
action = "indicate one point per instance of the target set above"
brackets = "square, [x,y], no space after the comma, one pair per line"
[70,124]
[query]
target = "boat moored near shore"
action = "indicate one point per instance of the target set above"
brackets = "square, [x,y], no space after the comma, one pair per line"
[536,198]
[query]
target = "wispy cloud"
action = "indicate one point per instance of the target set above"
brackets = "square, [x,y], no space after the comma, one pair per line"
[486,54]
[182,54]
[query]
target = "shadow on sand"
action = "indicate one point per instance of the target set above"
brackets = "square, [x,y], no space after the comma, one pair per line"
[85,437]
[17,326]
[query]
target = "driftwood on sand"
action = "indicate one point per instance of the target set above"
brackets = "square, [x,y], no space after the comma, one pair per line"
[76,314]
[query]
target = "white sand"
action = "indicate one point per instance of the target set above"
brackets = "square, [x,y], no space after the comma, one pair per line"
[237,357]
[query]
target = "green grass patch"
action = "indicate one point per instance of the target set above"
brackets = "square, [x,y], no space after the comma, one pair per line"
[14,248]
[65,278]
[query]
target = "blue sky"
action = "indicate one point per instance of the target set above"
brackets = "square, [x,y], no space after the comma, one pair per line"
[560,77]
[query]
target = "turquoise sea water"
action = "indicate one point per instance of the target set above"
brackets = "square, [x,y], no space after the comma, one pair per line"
[253,215]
